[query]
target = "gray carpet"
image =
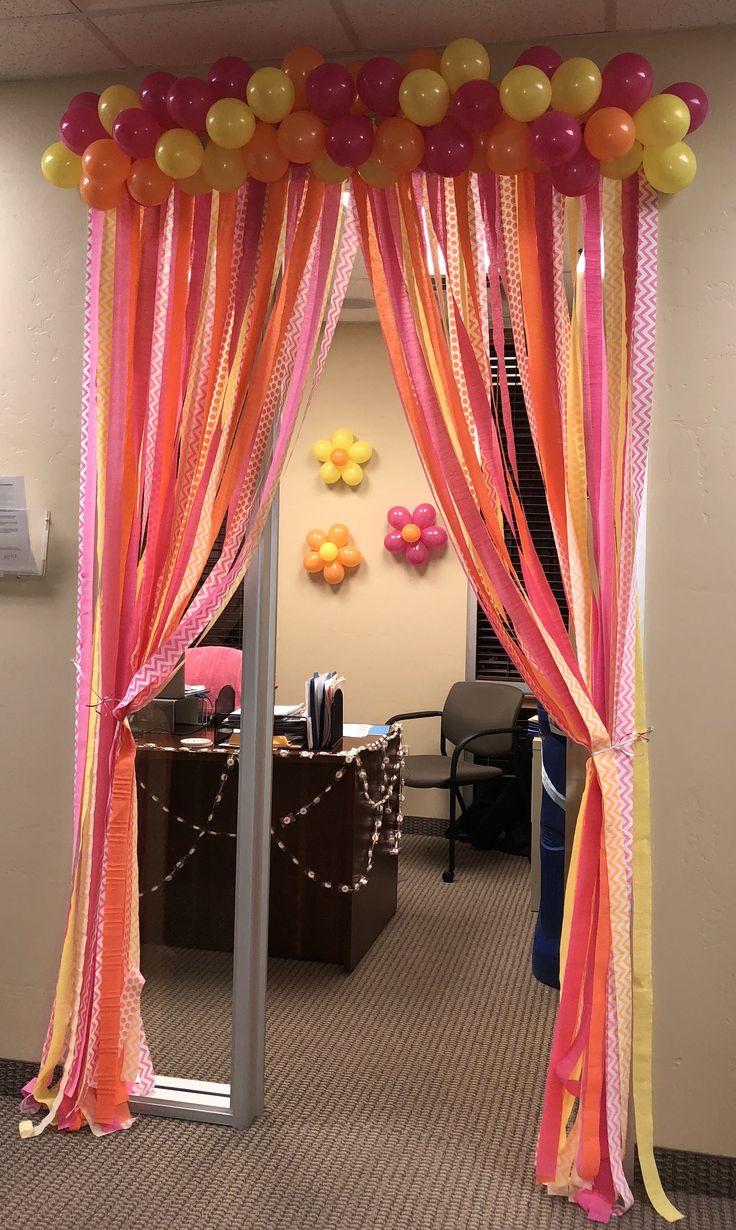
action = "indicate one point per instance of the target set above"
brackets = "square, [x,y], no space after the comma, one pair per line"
[402,1096]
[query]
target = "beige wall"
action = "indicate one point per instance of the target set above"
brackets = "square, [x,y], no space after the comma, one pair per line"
[397,636]
[692,586]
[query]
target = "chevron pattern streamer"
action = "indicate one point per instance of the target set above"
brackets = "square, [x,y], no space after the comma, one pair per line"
[202,321]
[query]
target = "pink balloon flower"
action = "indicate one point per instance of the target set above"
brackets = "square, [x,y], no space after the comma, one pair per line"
[414,534]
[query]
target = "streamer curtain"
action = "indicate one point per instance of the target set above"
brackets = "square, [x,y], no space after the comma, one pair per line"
[446,260]
[202,319]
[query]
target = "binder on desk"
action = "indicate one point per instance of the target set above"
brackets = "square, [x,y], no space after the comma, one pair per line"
[324,711]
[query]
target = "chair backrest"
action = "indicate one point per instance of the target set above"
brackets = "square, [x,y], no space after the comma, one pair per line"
[476,705]
[215,667]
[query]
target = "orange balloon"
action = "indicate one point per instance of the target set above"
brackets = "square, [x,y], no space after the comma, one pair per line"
[98,195]
[298,64]
[315,538]
[147,183]
[399,144]
[480,146]
[507,146]
[339,534]
[334,573]
[609,133]
[264,159]
[357,107]
[105,162]
[339,457]
[411,532]
[313,561]
[423,58]
[349,557]
[301,136]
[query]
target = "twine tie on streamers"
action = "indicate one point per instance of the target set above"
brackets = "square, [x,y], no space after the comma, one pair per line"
[625,745]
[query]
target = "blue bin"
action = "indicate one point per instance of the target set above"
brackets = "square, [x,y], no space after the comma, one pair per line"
[546,944]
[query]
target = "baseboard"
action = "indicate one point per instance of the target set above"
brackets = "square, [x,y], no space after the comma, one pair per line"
[424,826]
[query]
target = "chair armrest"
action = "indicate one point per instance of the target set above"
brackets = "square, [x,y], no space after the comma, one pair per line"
[404,717]
[478,734]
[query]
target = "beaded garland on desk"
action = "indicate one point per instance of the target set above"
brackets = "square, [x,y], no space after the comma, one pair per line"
[382,806]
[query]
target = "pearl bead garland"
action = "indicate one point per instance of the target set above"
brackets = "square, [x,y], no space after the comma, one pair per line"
[200,830]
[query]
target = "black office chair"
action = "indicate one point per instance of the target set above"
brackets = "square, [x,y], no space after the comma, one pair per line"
[480,718]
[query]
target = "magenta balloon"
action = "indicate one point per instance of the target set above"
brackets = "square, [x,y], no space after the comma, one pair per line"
[330,91]
[79,127]
[627,82]
[136,132]
[448,150]
[417,554]
[695,98]
[349,140]
[475,106]
[153,91]
[423,515]
[188,100]
[434,536]
[578,175]
[544,58]
[555,137]
[398,516]
[229,77]
[87,98]
[379,81]
[393,542]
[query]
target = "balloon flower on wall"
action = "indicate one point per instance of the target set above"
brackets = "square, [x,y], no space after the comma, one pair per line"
[342,457]
[331,553]
[414,534]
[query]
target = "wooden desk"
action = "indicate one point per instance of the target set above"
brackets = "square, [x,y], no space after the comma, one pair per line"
[195,909]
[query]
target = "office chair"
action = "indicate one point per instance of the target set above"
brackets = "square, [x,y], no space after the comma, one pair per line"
[477,717]
[215,667]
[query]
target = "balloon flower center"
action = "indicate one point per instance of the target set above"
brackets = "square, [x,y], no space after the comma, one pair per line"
[411,533]
[328,552]
[339,457]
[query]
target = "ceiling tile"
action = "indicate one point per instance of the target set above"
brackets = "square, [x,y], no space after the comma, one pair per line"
[34,8]
[52,47]
[673,14]
[432,23]
[256,29]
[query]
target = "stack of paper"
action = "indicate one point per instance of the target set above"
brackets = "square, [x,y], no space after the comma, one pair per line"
[320,694]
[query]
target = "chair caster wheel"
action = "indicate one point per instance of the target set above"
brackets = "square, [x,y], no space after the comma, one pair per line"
[448,877]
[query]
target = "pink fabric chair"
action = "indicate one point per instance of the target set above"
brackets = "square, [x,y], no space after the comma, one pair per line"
[215,666]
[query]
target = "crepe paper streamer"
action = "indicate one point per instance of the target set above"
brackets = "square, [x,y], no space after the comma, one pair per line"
[342,458]
[331,554]
[414,536]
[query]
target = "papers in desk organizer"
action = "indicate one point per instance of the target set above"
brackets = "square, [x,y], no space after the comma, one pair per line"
[323,705]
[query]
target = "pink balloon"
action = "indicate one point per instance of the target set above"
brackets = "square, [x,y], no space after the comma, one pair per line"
[398,516]
[330,91]
[153,91]
[448,150]
[423,515]
[695,98]
[475,106]
[349,140]
[87,98]
[544,58]
[417,554]
[79,127]
[627,82]
[189,99]
[434,536]
[393,542]
[229,77]
[136,132]
[378,85]
[578,175]
[555,137]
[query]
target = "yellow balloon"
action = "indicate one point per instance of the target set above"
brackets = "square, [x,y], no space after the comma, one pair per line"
[576,85]
[329,172]
[361,452]
[525,93]
[321,449]
[270,94]
[113,100]
[626,165]
[195,185]
[670,169]
[374,172]
[224,169]
[424,96]
[61,167]
[352,474]
[329,473]
[179,153]
[464,59]
[342,438]
[230,123]
[328,552]
[662,120]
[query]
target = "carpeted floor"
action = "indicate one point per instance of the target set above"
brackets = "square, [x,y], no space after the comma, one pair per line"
[402,1097]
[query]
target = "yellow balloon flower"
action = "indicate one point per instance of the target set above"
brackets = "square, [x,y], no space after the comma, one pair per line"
[576,85]
[179,153]
[61,167]
[270,94]
[464,59]
[342,457]
[424,97]
[113,100]
[525,93]
[662,120]
[224,169]
[230,123]
[670,169]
